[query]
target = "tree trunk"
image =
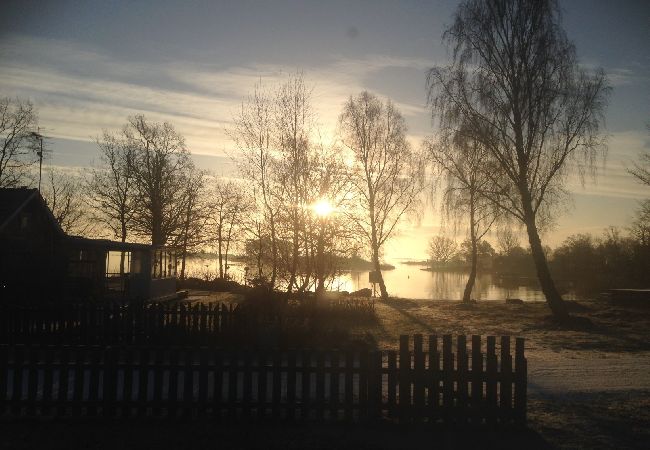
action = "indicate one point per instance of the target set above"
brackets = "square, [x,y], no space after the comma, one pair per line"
[472,274]
[320,263]
[553,298]
[382,285]
[123,239]
[219,247]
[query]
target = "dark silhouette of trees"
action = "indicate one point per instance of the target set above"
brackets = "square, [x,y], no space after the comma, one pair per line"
[17,122]
[229,205]
[462,163]
[515,86]
[64,195]
[507,240]
[160,164]
[641,169]
[194,214]
[110,187]
[386,173]
[442,249]
[253,135]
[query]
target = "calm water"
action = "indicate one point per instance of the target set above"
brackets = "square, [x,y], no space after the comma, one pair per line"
[405,281]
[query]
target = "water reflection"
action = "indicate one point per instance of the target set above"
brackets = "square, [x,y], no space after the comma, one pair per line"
[407,281]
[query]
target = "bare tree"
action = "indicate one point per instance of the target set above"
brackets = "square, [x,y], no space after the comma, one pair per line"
[195,214]
[64,195]
[293,118]
[386,171]
[17,123]
[640,228]
[515,86]
[507,240]
[253,133]
[442,249]
[229,205]
[111,188]
[159,166]
[641,169]
[462,163]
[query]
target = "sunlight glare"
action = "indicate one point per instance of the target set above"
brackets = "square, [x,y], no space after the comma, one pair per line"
[323,208]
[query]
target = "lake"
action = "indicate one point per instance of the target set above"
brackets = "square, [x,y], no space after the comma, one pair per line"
[407,281]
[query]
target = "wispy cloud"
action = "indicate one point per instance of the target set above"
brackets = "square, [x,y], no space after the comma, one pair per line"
[80,91]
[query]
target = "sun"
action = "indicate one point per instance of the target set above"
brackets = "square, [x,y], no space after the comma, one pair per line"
[323,208]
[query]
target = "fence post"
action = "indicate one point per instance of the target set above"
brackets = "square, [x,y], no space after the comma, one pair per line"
[349,385]
[418,375]
[62,397]
[521,375]
[433,379]
[477,380]
[462,377]
[110,381]
[173,382]
[262,376]
[78,386]
[491,381]
[188,381]
[202,401]
[404,379]
[447,378]
[505,393]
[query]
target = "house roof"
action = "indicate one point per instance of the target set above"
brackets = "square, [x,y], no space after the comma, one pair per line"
[14,200]
[106,244]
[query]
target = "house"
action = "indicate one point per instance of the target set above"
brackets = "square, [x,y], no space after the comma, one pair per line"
[39,261]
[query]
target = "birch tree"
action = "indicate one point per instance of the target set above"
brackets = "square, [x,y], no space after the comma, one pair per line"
[386,172]
[515,86]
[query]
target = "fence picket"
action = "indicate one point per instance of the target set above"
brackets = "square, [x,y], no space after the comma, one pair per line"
[333,384]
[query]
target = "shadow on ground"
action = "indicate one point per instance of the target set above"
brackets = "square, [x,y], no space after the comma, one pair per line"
[167,435]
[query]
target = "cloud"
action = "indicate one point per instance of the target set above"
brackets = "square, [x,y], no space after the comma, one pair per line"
[79,91]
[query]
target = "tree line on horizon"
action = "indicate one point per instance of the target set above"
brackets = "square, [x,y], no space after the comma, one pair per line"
[514,111]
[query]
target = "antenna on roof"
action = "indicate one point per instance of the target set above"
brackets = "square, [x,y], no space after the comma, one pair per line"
[39,149]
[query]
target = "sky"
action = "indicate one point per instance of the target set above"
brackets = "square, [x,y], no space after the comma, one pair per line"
[88,65]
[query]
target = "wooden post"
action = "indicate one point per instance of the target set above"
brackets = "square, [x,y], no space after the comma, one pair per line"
[433,379]
[334,385]
[188,381]
[248,385]
[277,384]
[143,383]
[48,371]
[78,386]
[418,376]
[93,380]
[291,384]
[202,401]
[320,384]
[447,378]
[262,391]
[404,379]
[233,375]
[62,397]
[521,375]
[505,397]
[477,380]
[349,386]
[172,409]
[109,393]
[217,401]
[491,381]
[158,371]
[462,378]
[32,380]
[392,384]
[305,362]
